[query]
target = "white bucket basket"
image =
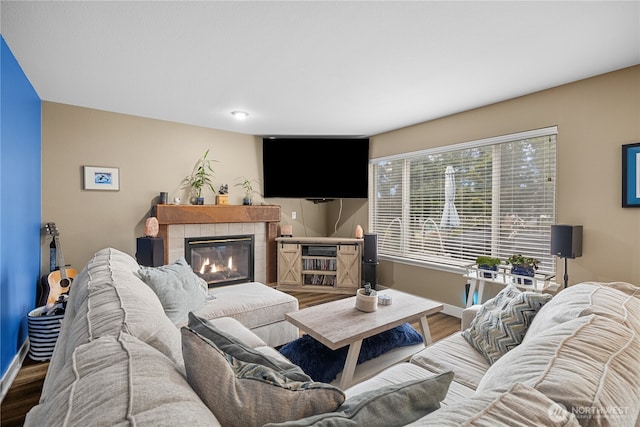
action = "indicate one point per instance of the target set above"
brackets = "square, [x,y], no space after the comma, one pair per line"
[43,334]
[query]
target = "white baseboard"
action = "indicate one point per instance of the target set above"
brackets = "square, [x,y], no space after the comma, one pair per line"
[14,367]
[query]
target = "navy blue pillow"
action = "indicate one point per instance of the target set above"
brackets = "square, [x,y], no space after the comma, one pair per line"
[323,364]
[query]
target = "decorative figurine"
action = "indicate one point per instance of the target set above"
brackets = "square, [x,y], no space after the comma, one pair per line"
[223,198]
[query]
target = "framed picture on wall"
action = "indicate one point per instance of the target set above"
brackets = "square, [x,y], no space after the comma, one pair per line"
[101,178]
[631,175]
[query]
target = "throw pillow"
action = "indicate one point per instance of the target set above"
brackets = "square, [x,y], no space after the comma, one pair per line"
[235,348]
[323,364]
[502,322]
[389,406]
[249,394]
[178,288]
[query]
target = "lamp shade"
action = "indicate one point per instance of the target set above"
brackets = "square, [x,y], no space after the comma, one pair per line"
[566,241]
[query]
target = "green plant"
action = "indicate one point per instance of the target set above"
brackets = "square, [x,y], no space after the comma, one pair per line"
[520,260]
[487,260]
[247,185]
[201,176]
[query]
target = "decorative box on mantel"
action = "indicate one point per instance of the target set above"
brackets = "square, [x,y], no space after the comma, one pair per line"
[224,214]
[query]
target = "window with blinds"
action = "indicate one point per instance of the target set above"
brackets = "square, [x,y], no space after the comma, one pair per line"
[446,206]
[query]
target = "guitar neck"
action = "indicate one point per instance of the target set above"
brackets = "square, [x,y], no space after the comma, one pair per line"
[60,256]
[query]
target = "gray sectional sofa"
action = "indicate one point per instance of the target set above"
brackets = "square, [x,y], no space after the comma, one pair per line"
[120,360]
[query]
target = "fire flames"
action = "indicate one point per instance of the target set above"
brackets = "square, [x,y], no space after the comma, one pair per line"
[208,267]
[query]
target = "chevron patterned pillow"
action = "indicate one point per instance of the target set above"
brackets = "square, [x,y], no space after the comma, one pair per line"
[501,322]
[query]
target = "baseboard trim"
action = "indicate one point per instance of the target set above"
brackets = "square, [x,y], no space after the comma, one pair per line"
[14,368]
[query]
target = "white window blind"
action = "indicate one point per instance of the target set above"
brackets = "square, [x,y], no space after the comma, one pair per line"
[449,205]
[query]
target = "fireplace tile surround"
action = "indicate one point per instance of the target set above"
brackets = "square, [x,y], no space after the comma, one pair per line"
[178,222]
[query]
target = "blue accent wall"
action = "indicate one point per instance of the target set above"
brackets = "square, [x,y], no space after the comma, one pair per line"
[20,203]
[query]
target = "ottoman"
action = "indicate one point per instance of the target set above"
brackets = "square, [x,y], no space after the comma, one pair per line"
[258,307]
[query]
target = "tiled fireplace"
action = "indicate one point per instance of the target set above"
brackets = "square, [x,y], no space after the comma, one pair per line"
[180,234]
[181,222]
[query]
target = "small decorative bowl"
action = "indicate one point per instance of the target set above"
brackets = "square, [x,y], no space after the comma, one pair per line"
[385,299]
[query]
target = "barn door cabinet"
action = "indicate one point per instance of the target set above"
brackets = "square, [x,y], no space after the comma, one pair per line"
[319,264]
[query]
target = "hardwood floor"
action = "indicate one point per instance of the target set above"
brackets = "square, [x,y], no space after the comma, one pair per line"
[24,393]
[27,386]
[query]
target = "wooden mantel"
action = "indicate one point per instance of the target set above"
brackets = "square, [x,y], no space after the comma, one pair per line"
[214,214]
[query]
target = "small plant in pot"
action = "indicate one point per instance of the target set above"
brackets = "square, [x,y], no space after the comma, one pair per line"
[523,266]
[202,176]
[485,262]
[247,186]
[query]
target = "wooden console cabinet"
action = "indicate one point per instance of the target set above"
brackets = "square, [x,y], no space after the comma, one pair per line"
[319,264]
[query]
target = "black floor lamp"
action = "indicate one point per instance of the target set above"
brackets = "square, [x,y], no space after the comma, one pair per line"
[566,242]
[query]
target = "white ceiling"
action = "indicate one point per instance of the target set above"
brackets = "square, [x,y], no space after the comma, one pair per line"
[312,68]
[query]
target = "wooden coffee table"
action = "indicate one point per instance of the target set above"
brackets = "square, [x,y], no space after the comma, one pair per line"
[338,323]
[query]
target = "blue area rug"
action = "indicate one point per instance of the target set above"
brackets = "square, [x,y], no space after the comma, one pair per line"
[323,364]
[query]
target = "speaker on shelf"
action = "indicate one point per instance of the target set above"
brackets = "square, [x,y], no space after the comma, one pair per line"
[150,251]
[566,241]
[370,248]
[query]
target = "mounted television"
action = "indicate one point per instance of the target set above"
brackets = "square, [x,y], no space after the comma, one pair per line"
[315,168]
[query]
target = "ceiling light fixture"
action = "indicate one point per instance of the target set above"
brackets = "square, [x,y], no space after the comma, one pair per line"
[240,115]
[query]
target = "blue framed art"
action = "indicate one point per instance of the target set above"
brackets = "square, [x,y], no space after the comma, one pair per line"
[631,175]
[101,178]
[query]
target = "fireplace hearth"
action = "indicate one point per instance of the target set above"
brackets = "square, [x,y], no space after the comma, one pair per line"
[221,260]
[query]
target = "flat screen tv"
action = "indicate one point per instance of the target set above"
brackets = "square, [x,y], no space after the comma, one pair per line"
[315,168]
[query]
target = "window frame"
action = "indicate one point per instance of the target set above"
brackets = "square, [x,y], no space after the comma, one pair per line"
[451,265]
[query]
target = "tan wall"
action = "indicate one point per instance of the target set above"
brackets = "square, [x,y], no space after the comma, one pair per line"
[594,118]
[152,156]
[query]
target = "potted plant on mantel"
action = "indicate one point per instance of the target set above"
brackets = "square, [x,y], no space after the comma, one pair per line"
[486,262]
[523,266]
[202,176]
[247,186]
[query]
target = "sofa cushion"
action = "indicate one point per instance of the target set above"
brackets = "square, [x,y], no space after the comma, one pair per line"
[179,289]
[453,353]
[521,405]
[588,364]
[119,380]
[252,304]
[249,394]
[389,406]
[502,322]
[241,351]
[406,371]
[618,301]
[107,298]
[257,306]
[231,326]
